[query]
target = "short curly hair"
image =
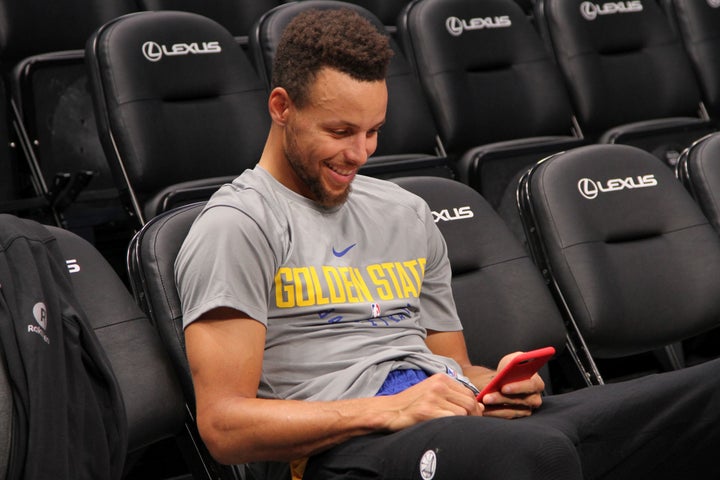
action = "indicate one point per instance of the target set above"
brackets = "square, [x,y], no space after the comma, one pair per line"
[340,39]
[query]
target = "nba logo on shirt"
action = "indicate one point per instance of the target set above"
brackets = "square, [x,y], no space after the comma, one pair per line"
[375,308]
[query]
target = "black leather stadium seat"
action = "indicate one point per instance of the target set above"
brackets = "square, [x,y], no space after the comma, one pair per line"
[501,297]
[152,397]
[630,78]
[180,109]
[151,261]
[493,87]
[408,142]
[698,169]
[41,52]
[698,23]
[625,249]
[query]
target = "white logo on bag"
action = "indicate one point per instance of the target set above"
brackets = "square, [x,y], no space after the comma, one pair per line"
[590,10]
[590,189]
[154,52]
[456,26]
[39,312]
[428,464]
[72,265]
[458,213]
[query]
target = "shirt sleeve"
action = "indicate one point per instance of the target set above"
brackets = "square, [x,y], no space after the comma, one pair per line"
[437,305]
[225,261]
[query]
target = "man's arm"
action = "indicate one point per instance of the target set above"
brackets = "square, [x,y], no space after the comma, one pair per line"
[225,352]
[516,399]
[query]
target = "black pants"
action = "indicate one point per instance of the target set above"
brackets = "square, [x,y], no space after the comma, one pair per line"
[664,426]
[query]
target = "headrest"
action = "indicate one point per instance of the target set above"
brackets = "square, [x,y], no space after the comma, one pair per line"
[168,55]
[486,70]
[472,36]
[612,193]
[31,27]
[607,27]
[177,98]
[469,225]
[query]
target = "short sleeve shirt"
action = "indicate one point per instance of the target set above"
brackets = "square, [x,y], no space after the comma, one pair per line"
[346,294]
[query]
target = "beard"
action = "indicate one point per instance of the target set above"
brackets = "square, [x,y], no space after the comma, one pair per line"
[313,182]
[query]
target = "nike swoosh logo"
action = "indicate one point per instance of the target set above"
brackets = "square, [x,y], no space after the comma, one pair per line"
[342,253]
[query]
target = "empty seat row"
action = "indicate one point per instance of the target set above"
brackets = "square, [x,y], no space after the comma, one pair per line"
[492,111]
[483,115]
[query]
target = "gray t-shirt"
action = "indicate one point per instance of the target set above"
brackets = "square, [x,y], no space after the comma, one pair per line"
[346,293]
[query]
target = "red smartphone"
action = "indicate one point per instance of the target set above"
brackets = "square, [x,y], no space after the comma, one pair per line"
[521,367]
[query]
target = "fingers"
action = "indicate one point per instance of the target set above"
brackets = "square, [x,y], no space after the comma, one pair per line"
[454,396]
[438,396]
[514,400]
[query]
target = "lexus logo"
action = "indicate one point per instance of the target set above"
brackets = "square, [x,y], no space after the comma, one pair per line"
[454,26]
[457,26]
[152,51]
[590,10]
[588,188]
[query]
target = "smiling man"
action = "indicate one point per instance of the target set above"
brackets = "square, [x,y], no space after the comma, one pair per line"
[321,330]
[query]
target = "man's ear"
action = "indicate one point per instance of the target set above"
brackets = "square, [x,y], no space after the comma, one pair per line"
[279,104]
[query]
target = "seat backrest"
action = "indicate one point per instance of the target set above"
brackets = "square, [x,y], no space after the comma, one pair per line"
[622,62]
[698,22]
[698,169]
[41,53]
[179,106]
[154,403]
[42,44]
[151,396]
[499,293]
[408,138]
[237,16]
[151,261]
[485,70]
[625,248]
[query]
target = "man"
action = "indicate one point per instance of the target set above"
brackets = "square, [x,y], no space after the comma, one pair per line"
[320,325]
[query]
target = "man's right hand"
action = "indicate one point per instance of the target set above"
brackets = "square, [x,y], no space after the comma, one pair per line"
[438,396]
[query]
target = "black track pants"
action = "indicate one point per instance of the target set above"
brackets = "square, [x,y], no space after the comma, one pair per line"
[664,426]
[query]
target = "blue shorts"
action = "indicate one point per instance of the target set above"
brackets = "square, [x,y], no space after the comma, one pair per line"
[399,380]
